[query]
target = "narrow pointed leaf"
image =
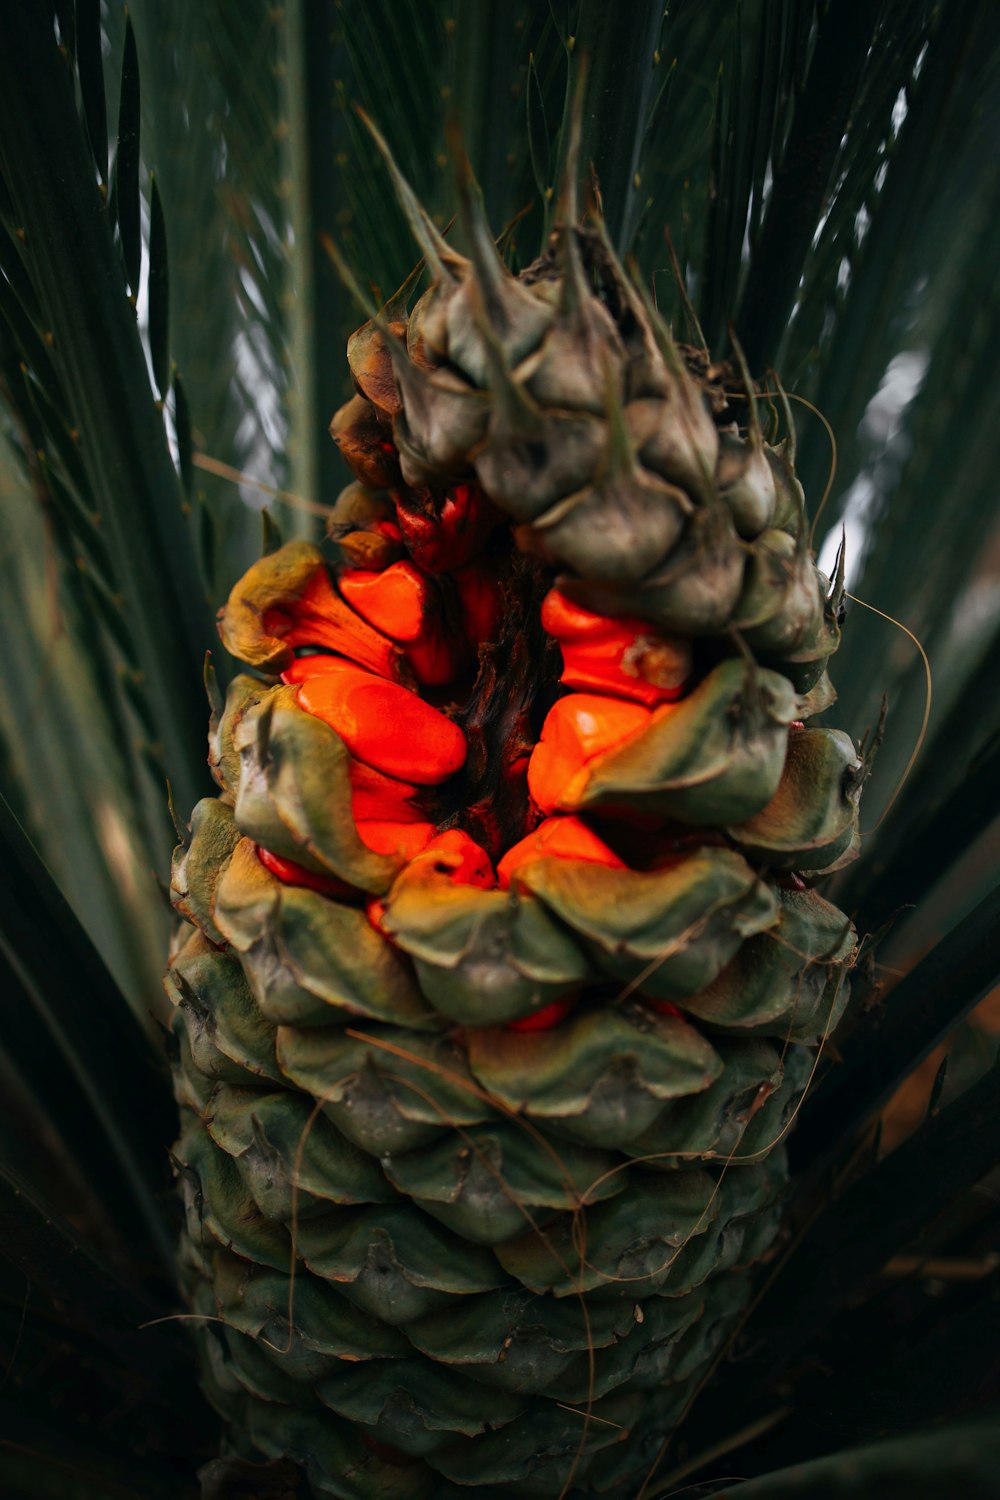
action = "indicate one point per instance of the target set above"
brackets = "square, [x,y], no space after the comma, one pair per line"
[159,292]
[77,276]
[182,428]
[91,70]
[126,169]
[113,1091]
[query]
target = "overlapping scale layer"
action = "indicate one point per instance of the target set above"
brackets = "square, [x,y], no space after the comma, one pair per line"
[504,968]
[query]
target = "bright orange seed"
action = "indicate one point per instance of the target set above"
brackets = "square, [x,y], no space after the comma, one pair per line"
[399,602]
[382,724]
[404,839]
[609,655]
[564,838]
[577,729]
[402,602]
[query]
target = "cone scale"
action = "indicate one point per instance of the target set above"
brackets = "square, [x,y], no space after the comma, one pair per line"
[503,965]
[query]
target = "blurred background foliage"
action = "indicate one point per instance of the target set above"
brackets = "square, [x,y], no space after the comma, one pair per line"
[171,352]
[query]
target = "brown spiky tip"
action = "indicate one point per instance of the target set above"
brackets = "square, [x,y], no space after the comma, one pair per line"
[683,446]
[646,371]
[443,263]
[444,328]
[516,317]
[789,496]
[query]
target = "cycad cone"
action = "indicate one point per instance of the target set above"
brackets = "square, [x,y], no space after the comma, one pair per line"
[512,1132]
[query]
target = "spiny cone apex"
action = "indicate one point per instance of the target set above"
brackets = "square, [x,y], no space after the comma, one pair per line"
[505,967]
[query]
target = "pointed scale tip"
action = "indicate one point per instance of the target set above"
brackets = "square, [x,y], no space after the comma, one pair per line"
[492,275]
[347,276]
[270,538]
[505,239]
[756,435]
[594,201]
[442,262]
[787,450]
[213,692]
[663,338]
[635,300]
[838,585]
[660,329]
[376,315]
[697,426]
[180,828]
[396,307]
[516,316]
[264,722]
[682,292]
[621,451]
[791,441]
[568,211]
[574,291]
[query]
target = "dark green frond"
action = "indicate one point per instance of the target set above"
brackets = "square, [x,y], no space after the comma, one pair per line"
[67,1030]
[95,1405]
[63,238]
[962,1459]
